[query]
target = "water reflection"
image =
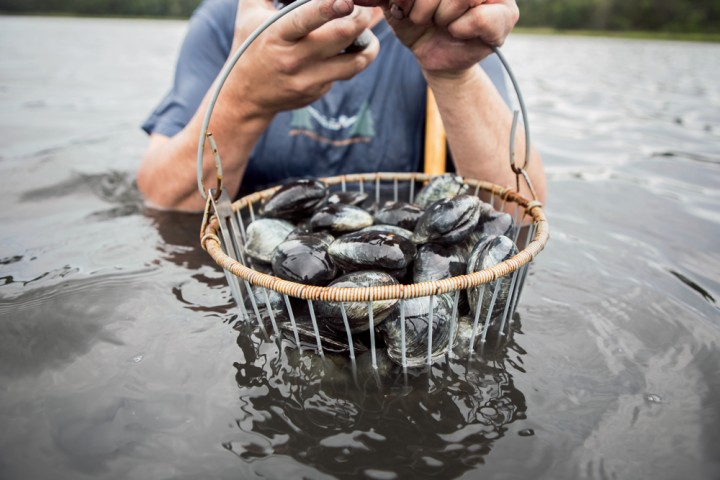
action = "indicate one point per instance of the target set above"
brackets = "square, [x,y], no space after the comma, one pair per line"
[382,423]
[180,245]
[180,238]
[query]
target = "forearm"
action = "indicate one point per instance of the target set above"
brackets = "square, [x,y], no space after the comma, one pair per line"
[478,123]
[167,176]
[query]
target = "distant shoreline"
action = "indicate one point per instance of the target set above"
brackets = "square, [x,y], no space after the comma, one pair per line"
[630,34]
[87,15]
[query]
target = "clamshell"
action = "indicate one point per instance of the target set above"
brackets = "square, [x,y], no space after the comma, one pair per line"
[304,259]
[448,221]
[295,200]
[357,312]
[416,314]
[372,250]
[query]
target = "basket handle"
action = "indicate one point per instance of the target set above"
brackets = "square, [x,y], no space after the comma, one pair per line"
[225,73]
[518,170]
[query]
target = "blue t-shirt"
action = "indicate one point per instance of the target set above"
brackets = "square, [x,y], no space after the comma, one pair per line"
[373,122]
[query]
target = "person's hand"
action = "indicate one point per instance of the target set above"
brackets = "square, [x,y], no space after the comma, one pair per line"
[450,36]
[296,60]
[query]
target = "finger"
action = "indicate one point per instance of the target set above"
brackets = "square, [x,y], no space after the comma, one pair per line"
[490,22]
[345,67]
[245,4]
[422,11]
[450,10]
[400,9]
[361,42]
[300,22]
[371,3]
[316,77]
[335,36]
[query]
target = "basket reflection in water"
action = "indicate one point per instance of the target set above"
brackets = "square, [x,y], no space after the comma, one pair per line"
[334,280]
[352,421]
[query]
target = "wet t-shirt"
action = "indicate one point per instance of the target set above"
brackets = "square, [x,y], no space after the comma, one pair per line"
[371,123]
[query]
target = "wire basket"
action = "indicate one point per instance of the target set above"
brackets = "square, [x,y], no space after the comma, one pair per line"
[223,236]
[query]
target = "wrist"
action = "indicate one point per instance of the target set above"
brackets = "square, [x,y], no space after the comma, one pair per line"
[451,79]
[238,106]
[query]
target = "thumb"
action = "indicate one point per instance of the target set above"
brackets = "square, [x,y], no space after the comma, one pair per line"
[313,15]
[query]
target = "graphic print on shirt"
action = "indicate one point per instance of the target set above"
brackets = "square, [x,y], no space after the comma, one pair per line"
[340,131]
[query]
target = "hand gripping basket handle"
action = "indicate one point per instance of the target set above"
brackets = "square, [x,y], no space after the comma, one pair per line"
[225,73]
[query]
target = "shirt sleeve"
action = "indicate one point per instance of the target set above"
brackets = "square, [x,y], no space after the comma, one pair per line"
[203,53]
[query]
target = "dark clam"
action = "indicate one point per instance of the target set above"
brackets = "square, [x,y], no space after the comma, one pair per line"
[443,186]
[324,236]
[448,221]
[435,262]
[329,340]
[489,252]
[417,323]
[295,200]
[263,235]
[266,301]
[357,312]
[305,260]
[349,198]
[389,229]
[474,246]
[401,214]
[493,222]
[372,250]
[340,218]
[463,335]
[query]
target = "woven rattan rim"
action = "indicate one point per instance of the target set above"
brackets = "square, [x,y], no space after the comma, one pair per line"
[212,244]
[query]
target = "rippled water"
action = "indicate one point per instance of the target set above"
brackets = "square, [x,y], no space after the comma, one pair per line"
[120,353]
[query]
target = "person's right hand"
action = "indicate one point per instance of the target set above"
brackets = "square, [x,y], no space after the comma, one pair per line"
[296,60]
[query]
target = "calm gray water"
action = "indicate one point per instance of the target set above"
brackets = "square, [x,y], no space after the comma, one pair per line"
[120,353]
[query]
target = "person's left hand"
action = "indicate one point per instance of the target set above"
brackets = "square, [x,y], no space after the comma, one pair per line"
[450,36]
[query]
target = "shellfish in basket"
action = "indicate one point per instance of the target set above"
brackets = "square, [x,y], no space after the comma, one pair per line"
[307,235]
[417,318]
[490,251]
[443,186]
[448,221]
[304,259]
[357,313]
[296,199]
[372,250]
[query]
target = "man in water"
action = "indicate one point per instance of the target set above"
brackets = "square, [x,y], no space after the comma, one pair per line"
[297,104]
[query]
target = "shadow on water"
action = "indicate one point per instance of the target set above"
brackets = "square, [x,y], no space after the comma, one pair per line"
[180,238]
[382,423]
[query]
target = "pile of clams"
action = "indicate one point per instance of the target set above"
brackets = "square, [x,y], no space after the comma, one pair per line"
[307,234]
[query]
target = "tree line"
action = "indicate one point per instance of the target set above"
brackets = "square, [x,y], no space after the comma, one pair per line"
[651,15]
[139,8]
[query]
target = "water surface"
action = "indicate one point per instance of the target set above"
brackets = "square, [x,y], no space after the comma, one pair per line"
[120,351]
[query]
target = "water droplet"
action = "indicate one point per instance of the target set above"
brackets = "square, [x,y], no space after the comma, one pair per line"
[528,432]
[137,359]
[653,398]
